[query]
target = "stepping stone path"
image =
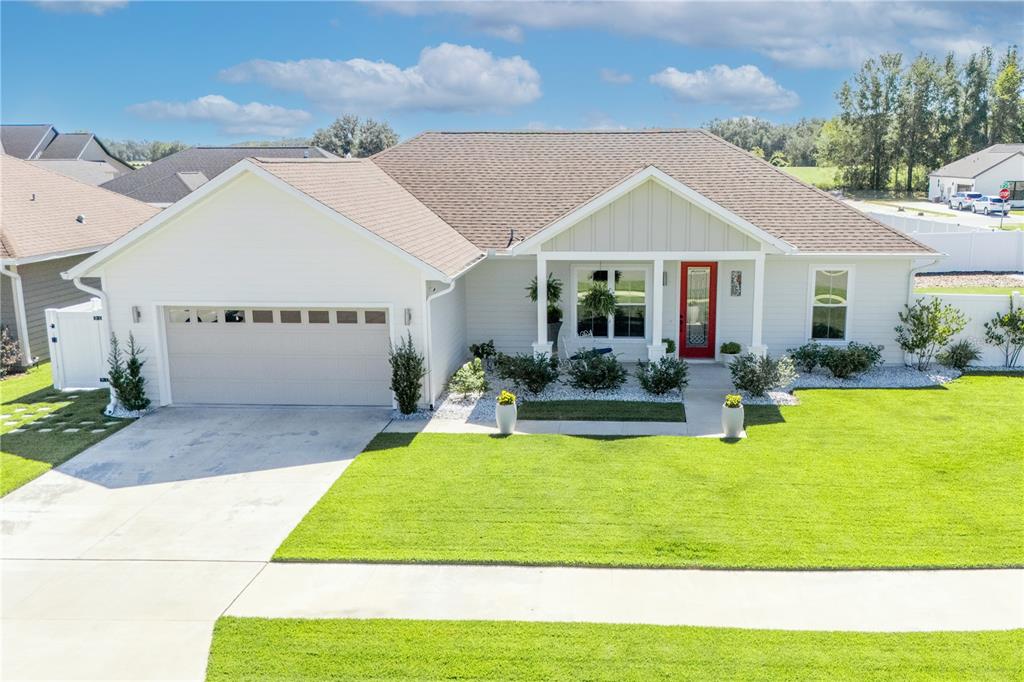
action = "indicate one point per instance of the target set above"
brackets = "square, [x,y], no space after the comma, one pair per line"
[45,430]
[97,430]
[19,409]
[71,430]
[10,423]
[86,423]
[16,431]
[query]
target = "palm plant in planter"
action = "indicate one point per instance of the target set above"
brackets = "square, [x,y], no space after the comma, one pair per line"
[554,291]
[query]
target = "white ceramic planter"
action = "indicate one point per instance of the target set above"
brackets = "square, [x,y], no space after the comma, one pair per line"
[732,421]
[505,416]
[727,358]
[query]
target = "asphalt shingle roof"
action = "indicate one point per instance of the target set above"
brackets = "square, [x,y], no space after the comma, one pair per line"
[39,210]
[66,146]
[22,140]
[359,190]
[485,184]
[159,182]
[974,164]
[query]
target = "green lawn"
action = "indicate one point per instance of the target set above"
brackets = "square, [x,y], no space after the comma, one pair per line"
[1006,291]
[256,649]
[602,410]
[29,403]
[819,176]
[850,478]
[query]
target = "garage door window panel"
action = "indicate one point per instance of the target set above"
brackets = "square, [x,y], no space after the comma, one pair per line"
[348,317]
[375,317]
[234,316]
[291,317]
[179,315]
[207,315]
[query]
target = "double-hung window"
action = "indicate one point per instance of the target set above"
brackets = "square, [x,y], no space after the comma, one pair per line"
[830,303]
[629,287]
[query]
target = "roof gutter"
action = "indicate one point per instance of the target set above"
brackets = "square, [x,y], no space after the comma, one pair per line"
[21,319]
[107,328]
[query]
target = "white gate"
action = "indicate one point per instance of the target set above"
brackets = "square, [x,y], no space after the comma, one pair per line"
[75,335]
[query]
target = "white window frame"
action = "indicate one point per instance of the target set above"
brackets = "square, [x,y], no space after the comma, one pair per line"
[809,323]
[648,270]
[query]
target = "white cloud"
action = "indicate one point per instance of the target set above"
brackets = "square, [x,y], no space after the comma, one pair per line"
[615,77]
[446,78]
[800,34]
[231,117]
[94,7]
[744,87]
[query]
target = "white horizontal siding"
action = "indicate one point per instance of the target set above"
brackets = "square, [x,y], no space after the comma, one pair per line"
[497,305]
[448,344]
[651,218]
[879,294]
[735,314]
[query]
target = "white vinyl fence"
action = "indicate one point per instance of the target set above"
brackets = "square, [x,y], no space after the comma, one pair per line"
[980,309]
[969,248]
[76,345]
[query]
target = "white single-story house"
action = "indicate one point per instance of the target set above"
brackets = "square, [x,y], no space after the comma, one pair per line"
[48,224]
[283,281]
[986,171]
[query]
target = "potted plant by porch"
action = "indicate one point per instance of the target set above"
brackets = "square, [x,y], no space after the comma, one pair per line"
[554,290]
[728,351]
[505,413]
[598,301]
[732,416]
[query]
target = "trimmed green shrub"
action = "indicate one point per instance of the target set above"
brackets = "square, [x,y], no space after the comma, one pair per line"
[670,346]
[532,372]
[125,375]
[469,378]
[959,354]
[660,377]
[757,374]
[407,371]
[483,350]
[855,358]
[10,353]
[730,347]
[594,371]
[808,356]
[924,328]
[1007,333]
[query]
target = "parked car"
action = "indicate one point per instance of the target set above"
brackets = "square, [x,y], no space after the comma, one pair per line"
[989,205]
[962,200]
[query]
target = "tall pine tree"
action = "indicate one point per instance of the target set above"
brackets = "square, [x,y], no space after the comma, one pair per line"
[916,116]
[1006,103]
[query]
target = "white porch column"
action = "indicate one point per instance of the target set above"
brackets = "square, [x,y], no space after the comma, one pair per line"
[656,349]
[756,343]
[543,346]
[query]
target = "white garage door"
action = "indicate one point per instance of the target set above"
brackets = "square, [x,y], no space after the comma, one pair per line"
[279,356]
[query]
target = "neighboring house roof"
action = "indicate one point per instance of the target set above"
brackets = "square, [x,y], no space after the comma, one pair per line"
[23,140]
[161,182]
[486,184]
[39,211]
[366,195]
[90,172]
[975,164]
[66,146]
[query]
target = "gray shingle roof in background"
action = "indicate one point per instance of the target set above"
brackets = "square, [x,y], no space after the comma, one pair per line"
[66,146]
[160,182]
[488,183]
[974,164]
[21,140]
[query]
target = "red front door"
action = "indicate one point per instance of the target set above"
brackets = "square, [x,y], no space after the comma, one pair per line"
[697,296]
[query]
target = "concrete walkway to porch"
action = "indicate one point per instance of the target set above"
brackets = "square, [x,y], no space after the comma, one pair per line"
[709,383]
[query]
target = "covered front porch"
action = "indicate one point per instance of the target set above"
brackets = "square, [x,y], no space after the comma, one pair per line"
[681,303]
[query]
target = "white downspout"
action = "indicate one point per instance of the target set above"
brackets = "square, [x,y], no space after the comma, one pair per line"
[21,319]
[107,329]
[910,278]
[427,335]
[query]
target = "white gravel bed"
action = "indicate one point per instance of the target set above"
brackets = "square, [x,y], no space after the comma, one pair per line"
[881,377]
[480,408]
[120,413]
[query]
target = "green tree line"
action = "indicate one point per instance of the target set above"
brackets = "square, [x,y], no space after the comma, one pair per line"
[897,118]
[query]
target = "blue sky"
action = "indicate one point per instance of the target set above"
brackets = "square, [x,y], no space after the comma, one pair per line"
[223,72]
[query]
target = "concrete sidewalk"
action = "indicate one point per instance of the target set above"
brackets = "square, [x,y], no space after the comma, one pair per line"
[866,601]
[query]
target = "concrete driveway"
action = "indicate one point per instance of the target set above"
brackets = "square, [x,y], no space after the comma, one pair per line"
[116,564]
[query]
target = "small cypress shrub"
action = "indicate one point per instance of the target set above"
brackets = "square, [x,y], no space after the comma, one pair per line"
[125,374]
[408,368]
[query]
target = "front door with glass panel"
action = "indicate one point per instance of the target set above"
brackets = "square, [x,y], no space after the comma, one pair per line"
[697,296]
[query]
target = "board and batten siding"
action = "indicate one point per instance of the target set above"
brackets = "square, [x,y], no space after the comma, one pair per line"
[253,244]
[735,314]
[878,295]
[44,288]
[651,218]
[449,347]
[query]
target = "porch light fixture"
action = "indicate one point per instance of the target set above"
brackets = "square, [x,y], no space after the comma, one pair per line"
[408,316]
[136,314]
